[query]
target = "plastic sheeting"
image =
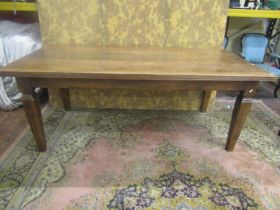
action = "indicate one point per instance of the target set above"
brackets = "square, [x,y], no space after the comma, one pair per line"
[16,41]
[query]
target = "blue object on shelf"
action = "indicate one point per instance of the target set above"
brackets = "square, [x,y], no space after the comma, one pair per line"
[254,48]
[234,4]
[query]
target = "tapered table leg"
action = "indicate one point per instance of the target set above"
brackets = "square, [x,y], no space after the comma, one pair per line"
[241,109]
[33,113]
[65,98]
[206,100]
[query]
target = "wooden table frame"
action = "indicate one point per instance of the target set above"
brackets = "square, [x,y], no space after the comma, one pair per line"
[242,106]
[204,70]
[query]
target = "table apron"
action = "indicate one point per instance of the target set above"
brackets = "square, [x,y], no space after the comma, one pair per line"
[140,84]
[242,106]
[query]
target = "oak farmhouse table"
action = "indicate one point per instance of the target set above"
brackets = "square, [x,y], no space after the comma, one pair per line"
[135,68]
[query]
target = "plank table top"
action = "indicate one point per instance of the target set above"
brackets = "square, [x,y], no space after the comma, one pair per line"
[134,68]
[136,64]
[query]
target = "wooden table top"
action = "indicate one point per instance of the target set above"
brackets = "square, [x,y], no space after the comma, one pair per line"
[136,64]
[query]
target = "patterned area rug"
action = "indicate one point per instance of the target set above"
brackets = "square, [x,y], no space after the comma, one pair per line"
[112,159]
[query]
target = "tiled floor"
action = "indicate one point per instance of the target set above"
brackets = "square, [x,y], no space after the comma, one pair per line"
[13,123]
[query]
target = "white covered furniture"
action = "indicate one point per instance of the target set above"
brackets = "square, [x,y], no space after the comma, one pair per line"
[16,41]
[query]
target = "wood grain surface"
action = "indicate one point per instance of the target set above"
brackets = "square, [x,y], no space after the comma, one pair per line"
[136,68]
[136,64]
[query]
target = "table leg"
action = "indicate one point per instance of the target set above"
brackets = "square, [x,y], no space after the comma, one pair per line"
[241,109]
[33,113]
[206,100]
[65,98]
[276,89]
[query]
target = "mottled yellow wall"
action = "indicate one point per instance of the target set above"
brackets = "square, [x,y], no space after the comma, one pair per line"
[133,22]
[71,22]
[196,23]
[159,23]
[180,23]
[131,99]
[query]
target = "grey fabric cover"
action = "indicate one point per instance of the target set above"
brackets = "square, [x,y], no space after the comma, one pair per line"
[16,41]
